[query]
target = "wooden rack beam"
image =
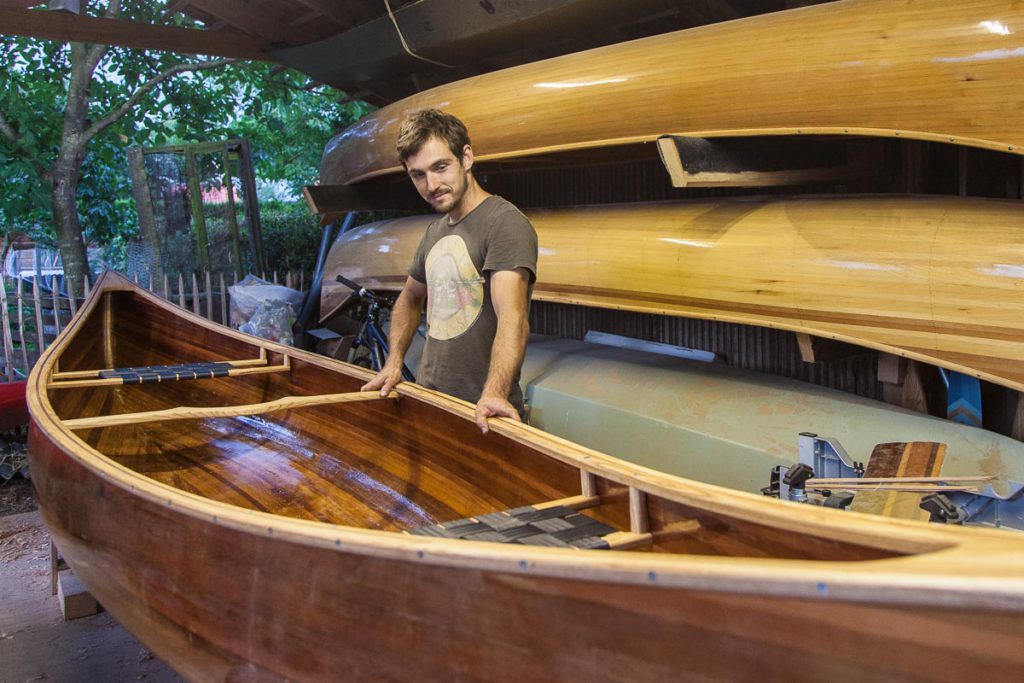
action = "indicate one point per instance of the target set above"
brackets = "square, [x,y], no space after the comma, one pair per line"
[197,412]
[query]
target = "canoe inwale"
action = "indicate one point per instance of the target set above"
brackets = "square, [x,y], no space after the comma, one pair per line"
[266,547]
[906,275]
[920,70]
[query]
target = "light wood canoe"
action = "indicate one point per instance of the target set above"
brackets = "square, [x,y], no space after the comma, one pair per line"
[269,546]
[930,278]
[926,70]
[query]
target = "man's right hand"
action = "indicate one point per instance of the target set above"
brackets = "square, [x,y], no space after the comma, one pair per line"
[386,380]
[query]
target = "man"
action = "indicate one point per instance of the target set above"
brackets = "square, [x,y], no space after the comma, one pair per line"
[475,268]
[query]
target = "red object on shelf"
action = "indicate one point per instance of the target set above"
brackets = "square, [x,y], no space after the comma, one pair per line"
[13,408]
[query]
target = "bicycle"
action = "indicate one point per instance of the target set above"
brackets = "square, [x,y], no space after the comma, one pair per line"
[371,336]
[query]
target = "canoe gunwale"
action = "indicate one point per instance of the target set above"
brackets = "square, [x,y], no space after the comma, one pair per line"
[851,131]
[938,556]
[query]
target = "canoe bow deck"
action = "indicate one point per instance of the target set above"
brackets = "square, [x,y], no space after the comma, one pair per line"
[265,545]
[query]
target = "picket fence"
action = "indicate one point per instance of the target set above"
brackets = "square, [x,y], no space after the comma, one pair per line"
[34,312]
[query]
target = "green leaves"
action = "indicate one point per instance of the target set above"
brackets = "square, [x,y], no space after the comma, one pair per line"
[287,124]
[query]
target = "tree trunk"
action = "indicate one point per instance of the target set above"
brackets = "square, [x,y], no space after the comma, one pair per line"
[64,178]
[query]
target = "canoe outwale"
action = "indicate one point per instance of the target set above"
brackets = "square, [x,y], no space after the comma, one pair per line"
[268,545]
[906,275]
[923,70]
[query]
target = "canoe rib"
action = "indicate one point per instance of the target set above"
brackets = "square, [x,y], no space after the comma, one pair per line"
[197,412]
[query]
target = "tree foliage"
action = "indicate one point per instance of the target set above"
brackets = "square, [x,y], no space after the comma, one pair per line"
[287,123]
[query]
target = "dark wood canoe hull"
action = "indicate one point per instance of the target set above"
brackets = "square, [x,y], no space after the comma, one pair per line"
[906,275]
[258,549]
[221,604]
[921,70]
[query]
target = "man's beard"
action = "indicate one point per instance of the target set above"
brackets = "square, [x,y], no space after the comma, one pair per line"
[449,199]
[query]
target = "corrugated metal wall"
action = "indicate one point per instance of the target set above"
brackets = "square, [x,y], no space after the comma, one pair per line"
[743,346]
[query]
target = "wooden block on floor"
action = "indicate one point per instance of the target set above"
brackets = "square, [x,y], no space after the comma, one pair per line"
[75,601]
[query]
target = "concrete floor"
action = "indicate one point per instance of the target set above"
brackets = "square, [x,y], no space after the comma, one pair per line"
[35,643]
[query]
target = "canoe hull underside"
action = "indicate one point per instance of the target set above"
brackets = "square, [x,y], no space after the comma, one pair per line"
[860,67]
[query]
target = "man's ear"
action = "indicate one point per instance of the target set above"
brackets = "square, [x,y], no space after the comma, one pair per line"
[467,157]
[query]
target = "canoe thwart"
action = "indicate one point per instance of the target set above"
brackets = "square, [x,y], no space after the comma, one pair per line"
[165,373]
[197,412]
[105,372]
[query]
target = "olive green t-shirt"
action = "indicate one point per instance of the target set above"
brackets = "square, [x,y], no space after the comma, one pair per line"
[456,262]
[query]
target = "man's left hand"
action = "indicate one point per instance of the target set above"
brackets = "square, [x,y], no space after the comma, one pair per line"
[494,406]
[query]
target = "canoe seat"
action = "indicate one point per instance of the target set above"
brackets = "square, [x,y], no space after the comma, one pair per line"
[168,373]
[556,527]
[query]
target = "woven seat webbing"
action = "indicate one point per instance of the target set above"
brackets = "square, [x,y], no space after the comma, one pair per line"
[556,527]
[168,373]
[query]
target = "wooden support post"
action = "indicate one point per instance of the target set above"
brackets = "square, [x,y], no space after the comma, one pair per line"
[223,302]
[236,252]
[37,304]
[8,339]
[196,203]
[195,294]
[22,341]
[55,300]
[588,483]
[638,520]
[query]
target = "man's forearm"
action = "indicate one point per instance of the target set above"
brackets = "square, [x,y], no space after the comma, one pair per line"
[405,320]
[506,354]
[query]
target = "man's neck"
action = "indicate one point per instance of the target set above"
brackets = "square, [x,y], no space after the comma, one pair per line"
[474,196]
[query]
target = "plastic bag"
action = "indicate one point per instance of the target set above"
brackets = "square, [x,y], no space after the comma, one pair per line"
[264,309]
[272,320]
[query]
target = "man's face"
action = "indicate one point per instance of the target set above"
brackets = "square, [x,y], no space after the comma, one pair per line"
[440,178]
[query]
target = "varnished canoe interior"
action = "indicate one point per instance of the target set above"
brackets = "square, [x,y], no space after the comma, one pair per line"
[387,465]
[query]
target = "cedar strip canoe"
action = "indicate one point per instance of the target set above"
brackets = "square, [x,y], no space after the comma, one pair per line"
[926,70]
[269,547]
[936,279]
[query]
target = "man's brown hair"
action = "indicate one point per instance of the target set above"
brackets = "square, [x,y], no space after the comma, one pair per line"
[420,126]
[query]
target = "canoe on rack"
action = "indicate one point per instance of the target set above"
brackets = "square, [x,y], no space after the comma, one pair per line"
[921,70]
[248,525]
[906,275]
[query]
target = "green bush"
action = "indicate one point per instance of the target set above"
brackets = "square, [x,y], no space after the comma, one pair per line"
[291,236]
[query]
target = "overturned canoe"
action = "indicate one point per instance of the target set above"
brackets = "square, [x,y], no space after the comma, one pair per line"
[906,275]
[724,425]
[921,70]
[247,526]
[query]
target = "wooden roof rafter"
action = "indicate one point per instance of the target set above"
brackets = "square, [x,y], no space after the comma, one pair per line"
[133,34]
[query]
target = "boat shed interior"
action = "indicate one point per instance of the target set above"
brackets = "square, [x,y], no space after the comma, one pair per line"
[730,304]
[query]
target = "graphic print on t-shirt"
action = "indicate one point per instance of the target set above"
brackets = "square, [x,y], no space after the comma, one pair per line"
[455,290]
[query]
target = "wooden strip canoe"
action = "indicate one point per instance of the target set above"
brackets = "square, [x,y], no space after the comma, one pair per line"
[239,548]
[924,70]
[935,279]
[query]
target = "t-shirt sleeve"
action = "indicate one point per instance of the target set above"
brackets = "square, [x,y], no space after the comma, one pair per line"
[418,267]
[511,244]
